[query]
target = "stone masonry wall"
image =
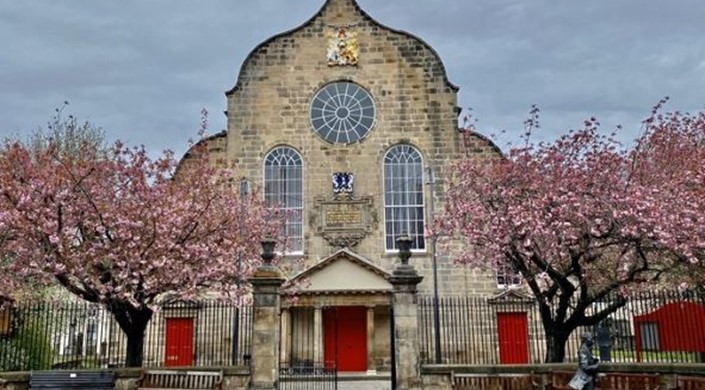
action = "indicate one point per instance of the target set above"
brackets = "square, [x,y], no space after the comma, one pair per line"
[415,103]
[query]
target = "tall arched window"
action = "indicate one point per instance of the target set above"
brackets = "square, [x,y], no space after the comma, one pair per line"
[283,187]
[403,196]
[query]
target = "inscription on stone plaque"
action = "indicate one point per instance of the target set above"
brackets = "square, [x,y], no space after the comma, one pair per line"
[342,215]
[344,222]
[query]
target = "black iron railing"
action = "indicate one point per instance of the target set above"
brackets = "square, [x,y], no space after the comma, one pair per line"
[658,327]
[305,375]
[83,335]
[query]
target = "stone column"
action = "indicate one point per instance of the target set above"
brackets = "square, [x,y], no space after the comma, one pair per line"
[266,331]
[318,336]
[286,336]
[404,280]
[371,369]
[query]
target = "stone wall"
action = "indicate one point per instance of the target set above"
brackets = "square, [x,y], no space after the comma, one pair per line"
[434,377]
[234,378]
[439,377]
[415,103]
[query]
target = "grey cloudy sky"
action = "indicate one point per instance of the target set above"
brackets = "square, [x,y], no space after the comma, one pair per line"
[143,69]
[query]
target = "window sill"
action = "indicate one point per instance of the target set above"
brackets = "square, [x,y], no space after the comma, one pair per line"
[421,253]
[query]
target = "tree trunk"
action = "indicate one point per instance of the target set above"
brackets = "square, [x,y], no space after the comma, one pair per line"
[133,322]
[556,339]
[135,349]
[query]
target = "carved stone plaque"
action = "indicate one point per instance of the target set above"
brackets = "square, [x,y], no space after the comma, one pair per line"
[344,221]
[343,215]
[343,48]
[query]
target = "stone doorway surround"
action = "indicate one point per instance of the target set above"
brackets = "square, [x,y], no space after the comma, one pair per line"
[343,279]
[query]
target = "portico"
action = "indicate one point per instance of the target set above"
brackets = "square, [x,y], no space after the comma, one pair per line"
[339,316]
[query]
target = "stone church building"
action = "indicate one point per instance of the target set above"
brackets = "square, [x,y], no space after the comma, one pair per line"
[345,122]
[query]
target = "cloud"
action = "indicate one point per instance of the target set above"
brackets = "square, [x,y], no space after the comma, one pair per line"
[143,69]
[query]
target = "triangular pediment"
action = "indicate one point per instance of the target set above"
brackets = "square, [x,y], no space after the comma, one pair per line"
[512,295]
[343,272]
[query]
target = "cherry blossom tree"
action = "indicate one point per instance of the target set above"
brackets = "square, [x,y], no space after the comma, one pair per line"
[583,218]
[66,135]
[116,228]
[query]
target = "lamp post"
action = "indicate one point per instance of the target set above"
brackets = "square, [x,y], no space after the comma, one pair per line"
[244,189]
[431,181]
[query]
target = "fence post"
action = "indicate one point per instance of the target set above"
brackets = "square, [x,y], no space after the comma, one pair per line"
[406,322]
[266,332]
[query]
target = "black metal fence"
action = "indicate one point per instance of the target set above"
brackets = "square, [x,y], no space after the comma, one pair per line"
[308,376]
[306,363]
[653,327]
[83,335]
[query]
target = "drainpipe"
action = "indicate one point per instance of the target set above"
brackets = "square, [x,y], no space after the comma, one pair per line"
[431,182]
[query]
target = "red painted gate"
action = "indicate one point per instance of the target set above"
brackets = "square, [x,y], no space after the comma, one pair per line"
[513,334]
[346,338]
[179,342]
[674,327]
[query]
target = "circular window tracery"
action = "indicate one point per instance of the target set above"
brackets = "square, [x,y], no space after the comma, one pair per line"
[342,112]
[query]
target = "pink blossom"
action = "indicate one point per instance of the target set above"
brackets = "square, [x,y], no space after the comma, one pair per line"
[584,216]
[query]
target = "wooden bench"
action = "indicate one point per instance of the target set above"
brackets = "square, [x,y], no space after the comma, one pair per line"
[624,381]
[558,380]
[493,381]
[176,379]
[58,380]
[690,382]
[609,381]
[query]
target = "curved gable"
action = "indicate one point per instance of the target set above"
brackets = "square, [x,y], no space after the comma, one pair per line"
[212,147]
[327,15]
[424,44]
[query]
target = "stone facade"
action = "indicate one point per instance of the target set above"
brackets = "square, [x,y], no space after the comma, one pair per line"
[415,104]
[271,106]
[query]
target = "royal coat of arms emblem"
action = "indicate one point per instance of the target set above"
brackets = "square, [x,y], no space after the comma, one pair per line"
[343,183]
[343,48]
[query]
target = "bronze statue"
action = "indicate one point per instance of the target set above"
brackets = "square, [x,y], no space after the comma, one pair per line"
[584,379]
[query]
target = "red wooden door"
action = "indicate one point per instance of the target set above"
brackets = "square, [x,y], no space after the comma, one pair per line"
[345,338]
[513,333]
[179,342]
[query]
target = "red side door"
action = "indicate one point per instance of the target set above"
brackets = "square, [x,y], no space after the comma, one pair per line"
[513,335]
[179,342]
[345,338]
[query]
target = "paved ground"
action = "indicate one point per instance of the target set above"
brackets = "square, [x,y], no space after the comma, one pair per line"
[342,385]
[364,385]
[346,381]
